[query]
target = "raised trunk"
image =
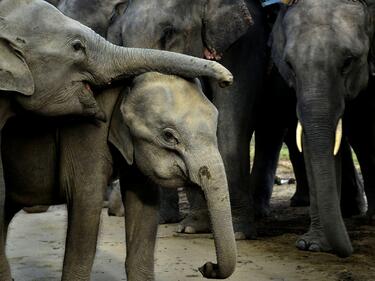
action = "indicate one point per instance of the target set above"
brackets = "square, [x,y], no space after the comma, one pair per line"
[212,178]
[120,62]
[318,147]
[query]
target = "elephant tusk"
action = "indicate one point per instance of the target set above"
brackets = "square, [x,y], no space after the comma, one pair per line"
[299,136]
[338,137]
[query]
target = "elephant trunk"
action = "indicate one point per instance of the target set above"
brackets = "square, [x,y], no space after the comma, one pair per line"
[320,118]
[212,179]
[124,62]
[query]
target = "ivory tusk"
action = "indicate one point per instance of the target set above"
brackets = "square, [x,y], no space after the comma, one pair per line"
[299,136]
[338,137]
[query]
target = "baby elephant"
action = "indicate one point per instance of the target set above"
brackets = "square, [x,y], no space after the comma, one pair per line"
[168,138]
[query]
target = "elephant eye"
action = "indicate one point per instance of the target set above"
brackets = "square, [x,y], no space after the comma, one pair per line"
[169,137]
[78,45]
[347,64]
[167,35]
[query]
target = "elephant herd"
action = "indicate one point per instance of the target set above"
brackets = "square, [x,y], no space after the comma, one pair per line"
[94,90]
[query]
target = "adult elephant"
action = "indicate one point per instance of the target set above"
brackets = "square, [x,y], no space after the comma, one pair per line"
[30,48]
[221,30]
[333,79]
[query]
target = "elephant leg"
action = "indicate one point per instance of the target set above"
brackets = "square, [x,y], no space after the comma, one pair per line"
[85,170]
[8,210]
[268,142]
[301,196]
[352,195]
[169,210]
[141,200]
[81,239]
[197,221]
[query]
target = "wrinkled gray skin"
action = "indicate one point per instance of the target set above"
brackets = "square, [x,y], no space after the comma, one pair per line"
[90,53]
[213,29]
[165,128]
[322,49]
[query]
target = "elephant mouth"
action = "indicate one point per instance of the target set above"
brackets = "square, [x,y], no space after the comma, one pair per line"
[86,97]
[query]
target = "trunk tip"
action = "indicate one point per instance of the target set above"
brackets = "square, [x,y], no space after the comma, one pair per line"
[212,271]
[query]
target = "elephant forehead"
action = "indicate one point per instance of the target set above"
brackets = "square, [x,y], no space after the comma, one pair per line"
[339,21]
[177,98]
[334,13]
[39,19]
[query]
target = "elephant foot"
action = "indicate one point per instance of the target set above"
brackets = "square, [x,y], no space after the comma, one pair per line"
[313,241]
[300,200]
[197,221]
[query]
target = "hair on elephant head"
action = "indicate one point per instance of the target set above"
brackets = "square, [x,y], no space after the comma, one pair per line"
[324,49]
[167,128]
[199,28]
[52,61]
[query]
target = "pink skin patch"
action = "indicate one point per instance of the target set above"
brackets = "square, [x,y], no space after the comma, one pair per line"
[211,55]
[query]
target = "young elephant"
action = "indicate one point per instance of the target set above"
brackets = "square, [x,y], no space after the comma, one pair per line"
[169,139]
[166,130]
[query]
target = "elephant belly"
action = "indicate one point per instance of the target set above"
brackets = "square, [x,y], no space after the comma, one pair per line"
[30,163]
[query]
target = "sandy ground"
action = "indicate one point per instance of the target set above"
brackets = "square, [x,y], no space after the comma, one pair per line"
[36,243]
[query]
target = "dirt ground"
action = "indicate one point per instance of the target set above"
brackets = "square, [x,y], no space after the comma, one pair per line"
[36,243]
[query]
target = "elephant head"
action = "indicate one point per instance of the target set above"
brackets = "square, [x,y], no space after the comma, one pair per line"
[201,28]
[167,128]
[51,61]
[323,50]
[95,14]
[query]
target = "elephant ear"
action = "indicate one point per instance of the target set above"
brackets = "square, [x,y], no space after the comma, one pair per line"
[15,75]
[278,42]
[114,34]
[225,21]
[119,132]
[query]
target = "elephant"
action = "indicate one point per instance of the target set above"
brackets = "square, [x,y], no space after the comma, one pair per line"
[325,51]
[66,48]
[233,32]
[164,131]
